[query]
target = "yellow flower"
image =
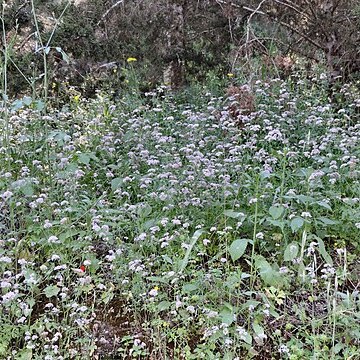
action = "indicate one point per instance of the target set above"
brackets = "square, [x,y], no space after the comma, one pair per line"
[230,75]
[131,59]
[156,288]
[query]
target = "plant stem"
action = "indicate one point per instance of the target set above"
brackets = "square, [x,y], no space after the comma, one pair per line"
[252,272]
[5,83]
[44,54]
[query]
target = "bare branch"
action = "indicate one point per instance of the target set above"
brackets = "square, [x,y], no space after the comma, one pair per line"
[295,8]
[283,23]
[314,14]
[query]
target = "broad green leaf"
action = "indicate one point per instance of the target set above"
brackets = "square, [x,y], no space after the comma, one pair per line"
[17,104]
[39,105]
[164,305]
[190,287]
[68,234]
[291,251]
[24,354]
[27,100]
[267,273]
[327,221]
[258,329]
[237,248]
[247,338]
[305,199]
[150,223]
[227,315]
[277,223]
[25,186]
[228,356]
[265,174]
[144,211]
[245,276]
[324,205]
[261,263]
[260,332]
[276,211]
[84,158]
[51,290]
[27,190]
[296,223]
[116,183]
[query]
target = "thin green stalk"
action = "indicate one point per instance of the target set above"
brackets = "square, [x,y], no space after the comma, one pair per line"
[44,54]
[334,318]
[252,272]
[4,84]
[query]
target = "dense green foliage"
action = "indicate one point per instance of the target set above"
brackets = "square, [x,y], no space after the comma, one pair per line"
[155,228]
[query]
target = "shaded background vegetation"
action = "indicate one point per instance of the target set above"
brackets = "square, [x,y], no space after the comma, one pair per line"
[213,37]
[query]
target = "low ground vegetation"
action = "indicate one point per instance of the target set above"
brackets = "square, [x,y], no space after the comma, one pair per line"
[156,227]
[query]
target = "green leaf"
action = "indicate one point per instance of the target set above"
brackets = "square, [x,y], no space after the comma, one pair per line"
[190,287]
[3,347]
[296,223]
[25,186]
[65,56]
[84,158]
[227,315]
[276,211]
[157,279]
[51,290]
[234,214]
[150,223]
[228,356]
[27,100]
[265,174]
[327,221]
[194,239]
[144,211]
[304,198]
[24,354]
[258,329]
[323,252]
[248,338]
[291,251]
[266,272]
[39,105]
[116,183]
[68,234]
[164,305]
[237,248]
[17,104]
[277,223]
[324,205]
[27,190]
[167,258]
